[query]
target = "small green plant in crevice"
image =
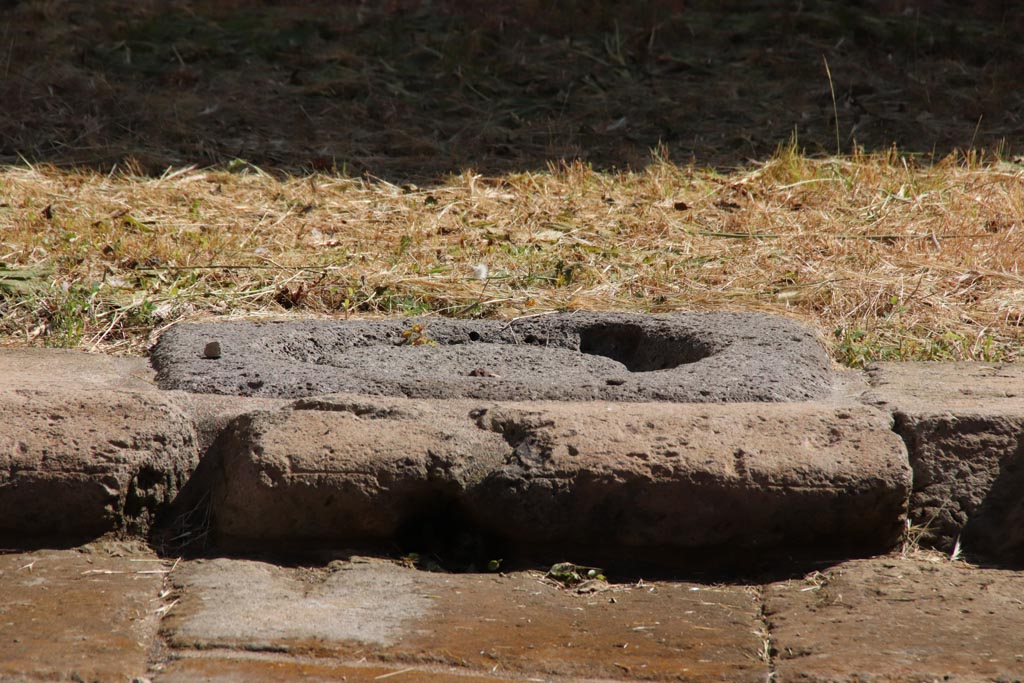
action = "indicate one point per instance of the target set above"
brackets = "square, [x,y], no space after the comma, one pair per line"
[417,335]
[854,348]
[571,575]
[141,314]
[68,314]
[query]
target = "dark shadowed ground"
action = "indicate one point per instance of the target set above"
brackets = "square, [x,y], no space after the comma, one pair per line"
[414,90]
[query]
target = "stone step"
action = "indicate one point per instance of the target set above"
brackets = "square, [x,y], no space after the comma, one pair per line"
[964,428]
[599,479]
[89,445]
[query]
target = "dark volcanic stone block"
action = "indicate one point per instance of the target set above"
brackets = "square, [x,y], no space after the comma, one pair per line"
[719,357]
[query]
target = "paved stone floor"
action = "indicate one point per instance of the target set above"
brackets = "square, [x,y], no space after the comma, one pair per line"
[87,614]
[116,612]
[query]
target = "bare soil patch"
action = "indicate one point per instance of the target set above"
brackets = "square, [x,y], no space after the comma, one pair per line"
[413,90]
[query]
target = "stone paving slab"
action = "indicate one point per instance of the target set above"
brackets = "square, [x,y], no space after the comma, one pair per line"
[910,618]
[592,478]
[262,668]
[367,612]
[964,428]
[74,370]
[87,614]
[899,620]
[954,385]
[91,614]
[706,358]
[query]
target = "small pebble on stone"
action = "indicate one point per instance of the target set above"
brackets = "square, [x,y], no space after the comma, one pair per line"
[211,350]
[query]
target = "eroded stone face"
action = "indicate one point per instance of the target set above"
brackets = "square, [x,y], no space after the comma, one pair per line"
[964,428]
[75,464]
[604,481]
[719,357]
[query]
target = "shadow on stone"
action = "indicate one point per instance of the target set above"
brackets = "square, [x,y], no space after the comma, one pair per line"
[968,478]
[996,532]
[640,349]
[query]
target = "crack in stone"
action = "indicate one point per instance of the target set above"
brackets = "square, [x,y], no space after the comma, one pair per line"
[767,653]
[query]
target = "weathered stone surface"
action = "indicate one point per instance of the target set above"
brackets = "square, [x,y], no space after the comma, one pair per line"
[596,478]
[364,613]
[721,357]
[73,370]
[628,477]
[77,463]
[89,614]
[212,413]
[261,606]
[956,385]
[345,469]
[248,667]
[964,428]
[898,620]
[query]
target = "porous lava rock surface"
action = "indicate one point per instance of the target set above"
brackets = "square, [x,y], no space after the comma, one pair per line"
[707,358]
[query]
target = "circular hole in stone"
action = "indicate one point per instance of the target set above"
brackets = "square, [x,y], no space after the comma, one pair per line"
[474,336]
[639,349]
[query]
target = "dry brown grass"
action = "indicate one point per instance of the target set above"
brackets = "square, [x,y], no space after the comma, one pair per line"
[885,258]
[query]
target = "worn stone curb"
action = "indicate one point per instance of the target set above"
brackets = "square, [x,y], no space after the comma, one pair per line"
[964,428]
[77,466]
[596,480]
[88,445]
